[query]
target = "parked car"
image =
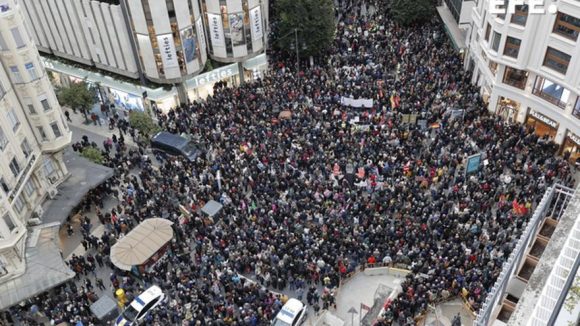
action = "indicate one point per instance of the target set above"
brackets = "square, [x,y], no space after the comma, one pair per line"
[175,145]
[293,313]
[140,306]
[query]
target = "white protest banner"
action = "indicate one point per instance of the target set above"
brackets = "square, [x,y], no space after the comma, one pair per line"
[357,103]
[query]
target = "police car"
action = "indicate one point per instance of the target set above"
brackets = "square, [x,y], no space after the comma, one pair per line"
[139,308]
[293,313]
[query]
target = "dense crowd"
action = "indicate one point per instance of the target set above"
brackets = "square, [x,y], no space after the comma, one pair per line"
[312,193]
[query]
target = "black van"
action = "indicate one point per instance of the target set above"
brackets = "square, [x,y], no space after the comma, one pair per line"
[175,145]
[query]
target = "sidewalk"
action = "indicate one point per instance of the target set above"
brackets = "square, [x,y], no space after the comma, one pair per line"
[78,121]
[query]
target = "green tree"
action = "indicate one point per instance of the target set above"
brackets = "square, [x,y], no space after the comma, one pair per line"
[143,122]
[407,12]
[313,20]
[78,96]
[93,154]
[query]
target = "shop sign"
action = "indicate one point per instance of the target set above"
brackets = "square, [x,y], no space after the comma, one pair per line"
[167,51]
[574,138]
[214,76]
[256,20]
[544,119]
[201,34]
[216,30]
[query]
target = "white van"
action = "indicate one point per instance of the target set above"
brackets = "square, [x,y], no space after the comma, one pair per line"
[293,313]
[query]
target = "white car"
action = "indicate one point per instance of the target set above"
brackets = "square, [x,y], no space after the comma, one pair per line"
[140,306]
[293,313]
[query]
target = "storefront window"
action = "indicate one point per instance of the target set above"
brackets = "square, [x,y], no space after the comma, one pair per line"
[543,126]
[551,92]
[515,77]
[571,148]
[507,109]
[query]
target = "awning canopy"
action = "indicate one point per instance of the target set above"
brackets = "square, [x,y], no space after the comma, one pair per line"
[84,176]
[45,268]
[141,243]
[212,208]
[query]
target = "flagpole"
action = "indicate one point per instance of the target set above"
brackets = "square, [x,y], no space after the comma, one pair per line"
[360,316]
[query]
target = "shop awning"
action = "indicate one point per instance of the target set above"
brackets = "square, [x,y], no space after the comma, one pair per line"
[156,94]
[45,268]
[84,176]
[141,243]
[256,62]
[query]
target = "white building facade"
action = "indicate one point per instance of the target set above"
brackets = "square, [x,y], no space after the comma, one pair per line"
[528,67]
[235,28]
[164,41]
[33,134]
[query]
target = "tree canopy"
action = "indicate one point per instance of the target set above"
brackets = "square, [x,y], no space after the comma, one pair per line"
[78,96]
[143,123]
[314,20]
[406,12]
[93,154]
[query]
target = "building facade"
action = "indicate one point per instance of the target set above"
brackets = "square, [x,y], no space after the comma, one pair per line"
[33,135]
[528,68]
[235,29]
[164,41]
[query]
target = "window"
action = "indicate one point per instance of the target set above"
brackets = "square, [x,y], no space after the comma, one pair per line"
[31,71]
[13,120]
[48,167]
[551,92]
[3,45]
[45,105]
[3,140]
[17,37]
[495,41]
[16,77]
[55,129]
[512,47]
[25,146]
[42,133]
[515,77]
[29,188]
[576,111]
[520,16]
[557,60]
[4,185]
[18,204]
[14,167]
[31,108]
[567,26]
[2,91]
[487,32]
[9,223]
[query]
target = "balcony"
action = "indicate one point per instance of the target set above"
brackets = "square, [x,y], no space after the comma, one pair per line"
[22,177]
[57,144]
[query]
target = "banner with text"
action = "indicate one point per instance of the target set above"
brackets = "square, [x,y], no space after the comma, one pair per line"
[167,51]
[256,21]
[216,30]
[357,103]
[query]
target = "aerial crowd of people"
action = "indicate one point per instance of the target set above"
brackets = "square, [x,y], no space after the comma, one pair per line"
[313,189]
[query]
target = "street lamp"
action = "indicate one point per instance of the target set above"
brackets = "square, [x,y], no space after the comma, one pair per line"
[295,44]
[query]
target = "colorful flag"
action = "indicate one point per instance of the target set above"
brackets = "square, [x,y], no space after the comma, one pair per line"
[364,306]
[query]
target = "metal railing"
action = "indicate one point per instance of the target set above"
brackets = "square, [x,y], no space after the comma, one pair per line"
[553,204]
